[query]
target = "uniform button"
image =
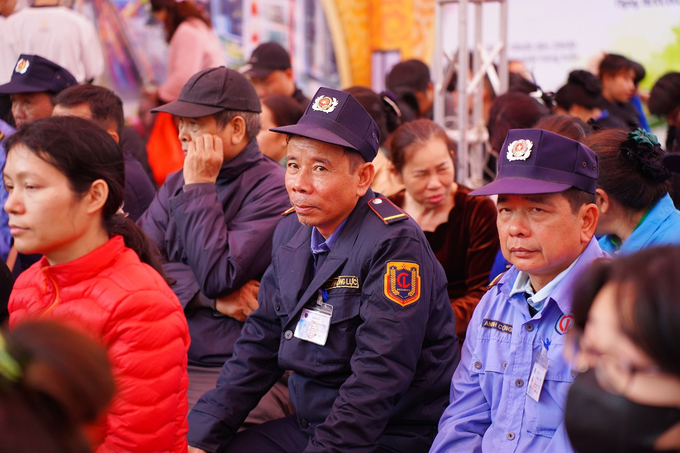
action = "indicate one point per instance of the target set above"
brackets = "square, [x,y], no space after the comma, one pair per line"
[288,334]
[510,435]
[304,424]
[377,201]
[529,327]
[519,382]
[505,365]
[478,365]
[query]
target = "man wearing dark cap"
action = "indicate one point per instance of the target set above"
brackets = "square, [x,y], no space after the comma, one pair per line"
[214,220]
[34,84]
[354,303]
[270,72]
[509,392]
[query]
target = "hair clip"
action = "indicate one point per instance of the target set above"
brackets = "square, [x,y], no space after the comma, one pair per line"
[9,367]
[643,137]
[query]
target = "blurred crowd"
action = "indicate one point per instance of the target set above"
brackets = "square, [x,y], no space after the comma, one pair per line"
[255,268]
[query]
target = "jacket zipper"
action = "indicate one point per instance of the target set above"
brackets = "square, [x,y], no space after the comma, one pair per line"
[56,297]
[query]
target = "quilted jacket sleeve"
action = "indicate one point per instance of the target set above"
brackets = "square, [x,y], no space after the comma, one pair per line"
[147,339]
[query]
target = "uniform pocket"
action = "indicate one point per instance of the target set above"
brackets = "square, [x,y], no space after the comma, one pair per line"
[546,416]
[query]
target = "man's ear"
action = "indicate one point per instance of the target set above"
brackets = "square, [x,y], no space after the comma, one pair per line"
[365,172]
[239,127]
[589,215]
[97,196]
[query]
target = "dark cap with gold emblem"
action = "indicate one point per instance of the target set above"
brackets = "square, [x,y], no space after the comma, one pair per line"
[336,117]
[534,161]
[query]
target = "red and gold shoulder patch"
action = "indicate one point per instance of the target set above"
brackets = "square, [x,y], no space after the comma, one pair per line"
[402,282]
[288,211]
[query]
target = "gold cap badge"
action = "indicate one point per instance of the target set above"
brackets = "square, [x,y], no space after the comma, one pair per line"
[22,66]
[324,104]
[519,150]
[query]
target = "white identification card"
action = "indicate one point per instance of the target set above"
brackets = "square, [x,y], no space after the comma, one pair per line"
[315,322]
[538,373]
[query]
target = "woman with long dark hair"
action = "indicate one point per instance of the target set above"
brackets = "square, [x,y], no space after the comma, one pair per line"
[99,274]
[636,210]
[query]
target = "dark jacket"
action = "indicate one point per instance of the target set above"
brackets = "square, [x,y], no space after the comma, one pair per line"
[139,191]
[215,238]
[385,365]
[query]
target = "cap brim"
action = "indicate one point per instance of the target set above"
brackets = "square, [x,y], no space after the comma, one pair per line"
[255,71]
[520,186]
[314,132]
[15,87]
[187,109]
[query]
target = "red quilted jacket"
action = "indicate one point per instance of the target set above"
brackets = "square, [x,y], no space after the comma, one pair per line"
[124,304]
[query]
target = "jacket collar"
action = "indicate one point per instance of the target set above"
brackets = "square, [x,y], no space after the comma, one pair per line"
[85,267]
[241,162]
[297,253]
[562,293]
[662,210]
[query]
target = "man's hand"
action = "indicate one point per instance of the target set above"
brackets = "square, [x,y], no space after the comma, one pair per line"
[195,450]
[241,303]
[204,159]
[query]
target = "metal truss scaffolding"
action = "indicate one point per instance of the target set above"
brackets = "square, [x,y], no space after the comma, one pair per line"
[467,127]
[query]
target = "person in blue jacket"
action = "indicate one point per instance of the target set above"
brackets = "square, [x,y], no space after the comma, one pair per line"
[213,222]
[354,303]
[636,210]
[509,390]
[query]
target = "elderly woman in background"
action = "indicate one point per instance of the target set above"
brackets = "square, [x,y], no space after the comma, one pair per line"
[460,229]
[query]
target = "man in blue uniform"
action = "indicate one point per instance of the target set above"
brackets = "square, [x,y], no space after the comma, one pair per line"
[354,303]
[213,221]
[509,391]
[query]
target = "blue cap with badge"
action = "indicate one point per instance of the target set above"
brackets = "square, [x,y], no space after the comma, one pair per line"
[34,74]
[535,161]
[336,117]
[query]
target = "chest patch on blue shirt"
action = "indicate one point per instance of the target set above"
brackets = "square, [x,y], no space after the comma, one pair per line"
[497,325]
[562,324]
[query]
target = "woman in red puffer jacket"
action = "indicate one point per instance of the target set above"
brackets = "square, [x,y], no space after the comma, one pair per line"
[65,178]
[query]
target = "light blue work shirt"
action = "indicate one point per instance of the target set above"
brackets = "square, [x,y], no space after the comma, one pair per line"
[489,408]
[660,227]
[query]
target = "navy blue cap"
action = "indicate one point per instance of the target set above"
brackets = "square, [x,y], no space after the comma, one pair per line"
[35,74]
[534,161]
[338,118]
[213,90]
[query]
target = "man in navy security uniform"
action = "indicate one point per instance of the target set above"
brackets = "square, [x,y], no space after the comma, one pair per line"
[354,303]
[509,391]
[213,221]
